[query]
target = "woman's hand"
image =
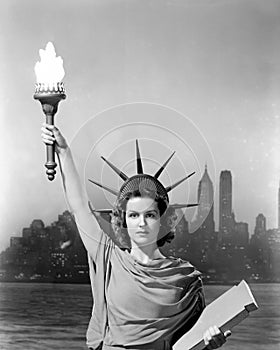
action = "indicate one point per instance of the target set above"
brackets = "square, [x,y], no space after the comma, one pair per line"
[214,338]
[51,135]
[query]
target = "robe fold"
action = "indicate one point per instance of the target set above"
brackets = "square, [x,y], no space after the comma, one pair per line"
[137,306]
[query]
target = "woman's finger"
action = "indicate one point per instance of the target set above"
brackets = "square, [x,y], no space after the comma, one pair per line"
[56,131]
[213,331]
[46,131]
[48,126]
[47,142]
[207,337]
[227,333]
[217,338]
[48,137]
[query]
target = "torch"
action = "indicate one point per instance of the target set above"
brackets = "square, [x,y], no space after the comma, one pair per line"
[49,90]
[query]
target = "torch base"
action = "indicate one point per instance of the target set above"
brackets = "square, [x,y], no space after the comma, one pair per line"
[51,170]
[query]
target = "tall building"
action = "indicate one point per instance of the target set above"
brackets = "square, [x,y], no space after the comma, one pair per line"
[38,228]
[241,234]
[26,232]
[225,204]
[37,224]
[15,241]
[260,227]
[205,198]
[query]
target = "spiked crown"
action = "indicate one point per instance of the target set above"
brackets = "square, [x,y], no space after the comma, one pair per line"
[142,181]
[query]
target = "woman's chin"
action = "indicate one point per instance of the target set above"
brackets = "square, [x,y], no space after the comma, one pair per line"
[144,241]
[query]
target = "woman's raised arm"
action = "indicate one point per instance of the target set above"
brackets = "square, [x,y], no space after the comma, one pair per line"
[74,190]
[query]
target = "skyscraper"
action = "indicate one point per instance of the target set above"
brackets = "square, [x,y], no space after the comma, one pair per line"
[205,198]
[260,228]
[225,209]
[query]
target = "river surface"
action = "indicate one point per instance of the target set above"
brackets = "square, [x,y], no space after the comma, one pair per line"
[55,317]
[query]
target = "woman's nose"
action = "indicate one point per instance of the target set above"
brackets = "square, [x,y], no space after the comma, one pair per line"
[142,221]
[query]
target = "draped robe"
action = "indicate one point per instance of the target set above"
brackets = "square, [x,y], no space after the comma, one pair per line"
[137,306]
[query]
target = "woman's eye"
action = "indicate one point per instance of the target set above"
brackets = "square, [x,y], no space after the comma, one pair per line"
[151,215]
[132,215]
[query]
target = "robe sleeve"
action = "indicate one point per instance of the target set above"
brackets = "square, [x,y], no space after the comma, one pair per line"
[196,312]
[99,255]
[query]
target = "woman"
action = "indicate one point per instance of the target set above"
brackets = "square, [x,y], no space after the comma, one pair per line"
[142,299]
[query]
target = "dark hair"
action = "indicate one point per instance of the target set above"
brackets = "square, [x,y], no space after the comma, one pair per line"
[168,217]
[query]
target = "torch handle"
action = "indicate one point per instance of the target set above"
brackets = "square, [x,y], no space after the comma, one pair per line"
[49,102]
[50,152]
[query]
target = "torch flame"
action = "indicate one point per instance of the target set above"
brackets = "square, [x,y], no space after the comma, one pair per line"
[50,70]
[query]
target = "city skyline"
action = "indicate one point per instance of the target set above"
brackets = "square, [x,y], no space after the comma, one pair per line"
[40,254]
[214,62]
[204,213]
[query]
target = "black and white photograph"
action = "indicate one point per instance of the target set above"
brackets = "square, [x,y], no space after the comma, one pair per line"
[140,178]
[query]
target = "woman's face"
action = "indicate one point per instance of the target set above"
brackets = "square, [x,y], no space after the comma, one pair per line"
[142,220]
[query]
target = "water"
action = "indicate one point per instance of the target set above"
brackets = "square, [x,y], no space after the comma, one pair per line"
[55,317]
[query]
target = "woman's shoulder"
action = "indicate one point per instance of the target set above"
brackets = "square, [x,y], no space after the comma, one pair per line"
[178,260]
[183,265]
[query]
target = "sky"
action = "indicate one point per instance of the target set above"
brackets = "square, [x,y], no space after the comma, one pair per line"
[198,77]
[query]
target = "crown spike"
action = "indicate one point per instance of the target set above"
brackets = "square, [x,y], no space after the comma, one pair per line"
[138,160]
[99,211]
[169,188]
[118,171]
[104,187]
[160,170]
[103,211]
[180,206]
